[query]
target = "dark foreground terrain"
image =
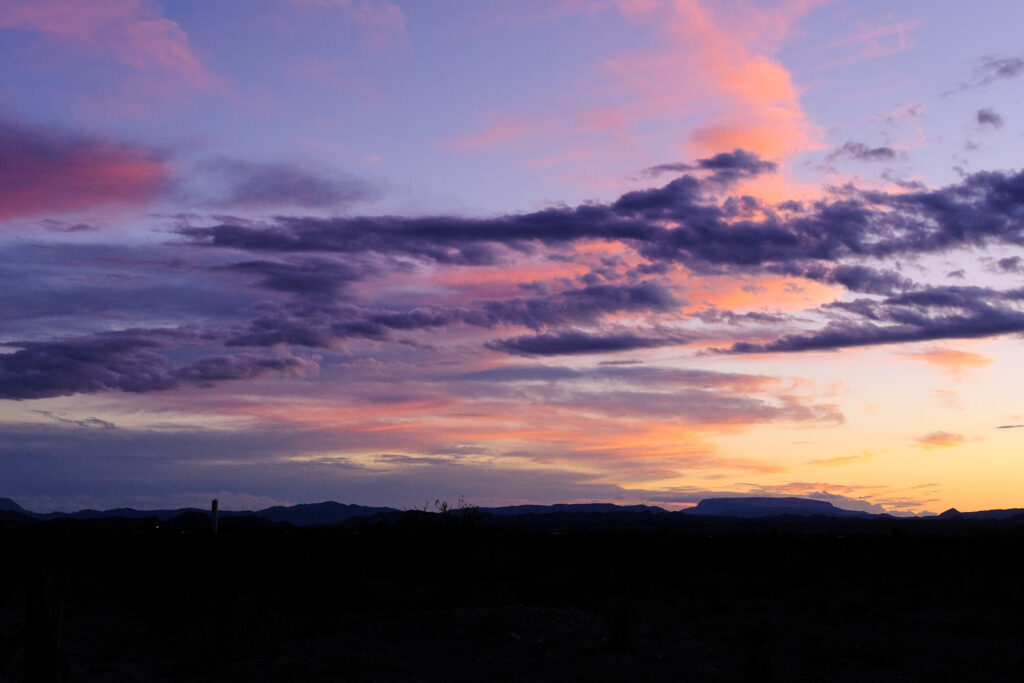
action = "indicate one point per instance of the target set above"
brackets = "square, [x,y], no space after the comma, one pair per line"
[455,597]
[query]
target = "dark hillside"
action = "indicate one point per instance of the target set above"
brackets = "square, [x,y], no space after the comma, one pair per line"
[453,597]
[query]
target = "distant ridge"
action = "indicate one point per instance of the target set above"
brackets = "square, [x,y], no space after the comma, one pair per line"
[1007,513]
[330,512]
[511,510]
[317,514]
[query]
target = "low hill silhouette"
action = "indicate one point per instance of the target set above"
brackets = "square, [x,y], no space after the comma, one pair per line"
[317,514]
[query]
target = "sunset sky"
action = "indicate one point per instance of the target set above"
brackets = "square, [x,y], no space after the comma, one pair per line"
[518,251]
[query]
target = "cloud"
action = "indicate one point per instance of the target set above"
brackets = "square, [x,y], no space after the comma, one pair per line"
[992,69]
[131,31]
[987,117]
[903,112]
[983,208]
[250,184]
[47,171]
[88,422]
[310,277]
[153,468]
[954,362]
[843,459]
[319,278]
[62,226]
[989,70]
[855,278]
[1011,264]
[322,325]
[614,371]
[858,151]
[681,222]
[1010,427]
[121,361]
[574,342]
[676,168]
[1001,67]
[726,167]
[927,314]
[501,133]
[940,440]
[207,371]
[379,23]
[764,113]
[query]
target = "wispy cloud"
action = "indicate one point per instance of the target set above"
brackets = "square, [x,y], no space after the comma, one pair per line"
[134,32]
[934,440]
[952,361]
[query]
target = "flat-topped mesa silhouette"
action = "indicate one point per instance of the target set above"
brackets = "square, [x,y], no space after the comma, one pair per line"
[769,507]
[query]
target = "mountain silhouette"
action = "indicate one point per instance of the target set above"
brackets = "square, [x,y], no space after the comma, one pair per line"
[8,505]
[509,510]
[769,507]
[317,514]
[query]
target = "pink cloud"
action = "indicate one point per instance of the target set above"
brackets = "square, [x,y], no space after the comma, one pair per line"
[761,110]
[710,83]
[872,42]
[954,362]
[843,459]
[940,440]
[132,31]
[53,172]
[500,133]
[379,22]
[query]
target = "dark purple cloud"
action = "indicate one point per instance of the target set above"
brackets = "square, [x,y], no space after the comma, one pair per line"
[87,422]
[63,226]
[1011,264]
[320,326]
[855,278]
[574,343]
[987,117]
[674,168]
[990,69]
[120,361]
[250,184]
[726,167]
[311,277]
[984,208]
[923,315]
[858,151]
[993,69]
[1002,67]
[123,362]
